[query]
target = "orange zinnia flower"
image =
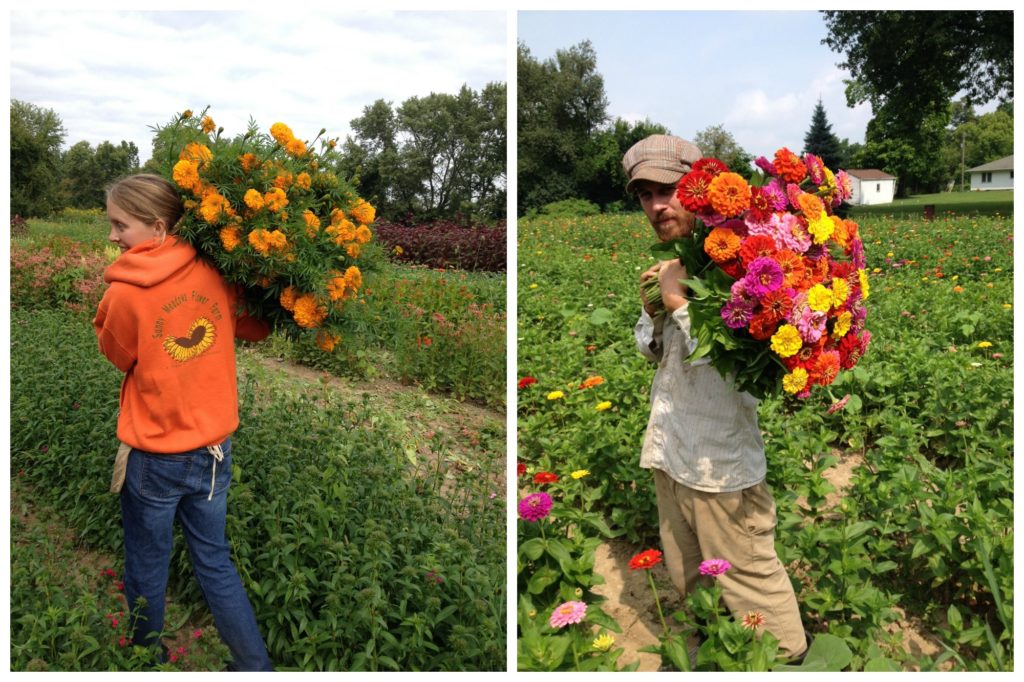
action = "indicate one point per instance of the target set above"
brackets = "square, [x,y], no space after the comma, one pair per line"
[729,194]
[722,244]
[789,166]
[590,382]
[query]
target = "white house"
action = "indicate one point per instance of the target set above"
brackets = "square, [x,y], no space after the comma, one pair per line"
[996,174]
[871,186]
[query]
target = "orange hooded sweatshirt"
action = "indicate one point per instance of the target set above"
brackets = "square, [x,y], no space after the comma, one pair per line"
[168,321]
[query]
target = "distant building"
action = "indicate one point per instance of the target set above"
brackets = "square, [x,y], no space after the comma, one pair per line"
[996,174]
[871,186]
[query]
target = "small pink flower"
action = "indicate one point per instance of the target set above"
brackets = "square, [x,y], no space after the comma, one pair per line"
[196,634]
[839,404]
[714,567]
[753,620]
[568,613]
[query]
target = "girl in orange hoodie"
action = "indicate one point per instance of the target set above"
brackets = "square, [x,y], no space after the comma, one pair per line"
[169,321]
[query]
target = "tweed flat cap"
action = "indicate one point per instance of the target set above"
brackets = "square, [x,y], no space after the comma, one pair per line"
[659,158]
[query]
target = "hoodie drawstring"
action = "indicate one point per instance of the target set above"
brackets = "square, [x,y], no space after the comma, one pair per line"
[218,456]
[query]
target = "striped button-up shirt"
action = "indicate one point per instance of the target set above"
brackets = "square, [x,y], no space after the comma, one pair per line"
[702,432]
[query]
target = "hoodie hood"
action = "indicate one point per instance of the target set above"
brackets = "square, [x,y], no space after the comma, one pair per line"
[151,262]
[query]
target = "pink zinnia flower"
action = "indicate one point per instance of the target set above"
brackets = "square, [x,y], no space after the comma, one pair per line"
[816,168]
[714,567]
[535,507]
[839,404]
[844,185]
[791,232]
[753,620]
[568,613]
[764,275]
[810,323]
[764,164]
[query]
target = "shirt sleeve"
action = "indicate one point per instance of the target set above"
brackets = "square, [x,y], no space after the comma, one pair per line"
[647,333]
[121,346]
[681,319]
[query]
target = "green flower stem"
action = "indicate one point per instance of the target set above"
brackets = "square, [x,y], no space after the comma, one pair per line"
[657,602]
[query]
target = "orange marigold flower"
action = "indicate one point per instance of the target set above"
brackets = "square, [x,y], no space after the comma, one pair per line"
[249,162]
[354,277]
[284,180]
[363,234]
[229,238]
[288,298]
[789,166]
[590,382]
[326,341]
[337,286]
[282,133]
[208,125]
[352,250]
[311,220]
[308,313]
[212,206]
[729,194]
[363,212]
[303,181]
[295,147]
[722,244]
[253,199]
[275,199]
[199,153]
[186,174]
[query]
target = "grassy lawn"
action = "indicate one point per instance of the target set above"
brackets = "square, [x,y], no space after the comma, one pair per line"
[996,202]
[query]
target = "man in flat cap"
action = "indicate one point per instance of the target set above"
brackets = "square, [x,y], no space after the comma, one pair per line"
[702,442]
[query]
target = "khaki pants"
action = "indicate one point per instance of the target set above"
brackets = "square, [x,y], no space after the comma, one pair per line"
[740,528]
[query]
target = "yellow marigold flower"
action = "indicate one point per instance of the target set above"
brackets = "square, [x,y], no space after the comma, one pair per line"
[288,298]
[308,313]
[187,114]
[310,219]
[819,298]
[604,405]
[363,234]
[603,642]
[821,229]
[811,207]
[354,277]
[579,473]
[1007,306]
[229,238]
[295,147]
[353,250]
[842,325]
[208,125]
[729,194]
[253,199]
[795,381]
[555,395]
[363,212]
[864,288]
[984,344]
[840,291]
[186,174]
[590,382]
[326,341]
[275,199]
[212,206]
[786,341]
[282,133]
[303,181]
[199,153]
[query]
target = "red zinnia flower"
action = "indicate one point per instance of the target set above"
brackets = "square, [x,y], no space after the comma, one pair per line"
[755,247]
[710,166]
[646,559]
[526,381]
[545,477]
[760,205]
[776,305]
[762,326]
[693,191]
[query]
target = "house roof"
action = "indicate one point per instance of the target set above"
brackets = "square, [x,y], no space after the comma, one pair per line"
[869,174]
[1005,163]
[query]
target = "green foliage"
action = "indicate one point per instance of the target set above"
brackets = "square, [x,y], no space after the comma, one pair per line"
[718,143]
[821,141]
[353,559]
[87,172]
[569,208]
[36,137]
[927,522]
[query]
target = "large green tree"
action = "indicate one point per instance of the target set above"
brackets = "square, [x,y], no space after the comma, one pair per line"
[36,138]
[87,172]
[822,142]
[717,142]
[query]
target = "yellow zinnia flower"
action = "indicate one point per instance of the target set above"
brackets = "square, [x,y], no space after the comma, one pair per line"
[984,344]
[786,341]
[840,291]
[555,395]
[795,381]
[864,288]
[819,298]
[579,473]
[603,642]
[842,325]
[605,405]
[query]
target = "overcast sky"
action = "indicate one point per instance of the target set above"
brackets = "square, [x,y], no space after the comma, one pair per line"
[110,75]
[758,74]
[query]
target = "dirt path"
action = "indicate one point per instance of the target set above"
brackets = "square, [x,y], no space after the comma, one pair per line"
[630,602]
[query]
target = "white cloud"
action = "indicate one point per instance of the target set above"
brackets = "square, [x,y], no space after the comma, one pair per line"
[110,75]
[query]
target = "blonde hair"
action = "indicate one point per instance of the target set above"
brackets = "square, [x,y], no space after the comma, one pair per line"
[149,198]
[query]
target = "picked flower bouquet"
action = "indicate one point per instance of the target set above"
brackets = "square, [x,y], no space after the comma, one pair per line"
[268,212]
[777,280]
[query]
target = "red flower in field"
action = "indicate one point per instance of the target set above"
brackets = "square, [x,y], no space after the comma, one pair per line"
[120,586]
[545,477]
[526,381]
[124,641]
[520,469]
[645,560]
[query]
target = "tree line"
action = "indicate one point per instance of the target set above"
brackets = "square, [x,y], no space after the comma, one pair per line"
[923,73]
[441,156]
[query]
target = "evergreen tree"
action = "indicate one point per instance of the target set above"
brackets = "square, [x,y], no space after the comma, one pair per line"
[821,141]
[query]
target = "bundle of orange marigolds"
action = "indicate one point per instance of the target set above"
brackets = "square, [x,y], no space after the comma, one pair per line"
[269,213]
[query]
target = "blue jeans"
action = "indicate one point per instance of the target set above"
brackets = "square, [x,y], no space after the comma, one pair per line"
[158,489]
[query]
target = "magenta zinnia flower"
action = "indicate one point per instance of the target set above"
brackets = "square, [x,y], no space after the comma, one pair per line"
[568,613]
[535,507]
[764,164]
[764,275]
[736,314]
[714,567]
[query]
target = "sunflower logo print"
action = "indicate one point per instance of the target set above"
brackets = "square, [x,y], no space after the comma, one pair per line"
[197,340]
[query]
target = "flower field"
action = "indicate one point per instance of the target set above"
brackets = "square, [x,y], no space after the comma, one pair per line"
[363,527]
[923,531]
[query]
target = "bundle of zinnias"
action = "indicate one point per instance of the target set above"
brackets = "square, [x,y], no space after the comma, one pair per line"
[270,215]
[777,280]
